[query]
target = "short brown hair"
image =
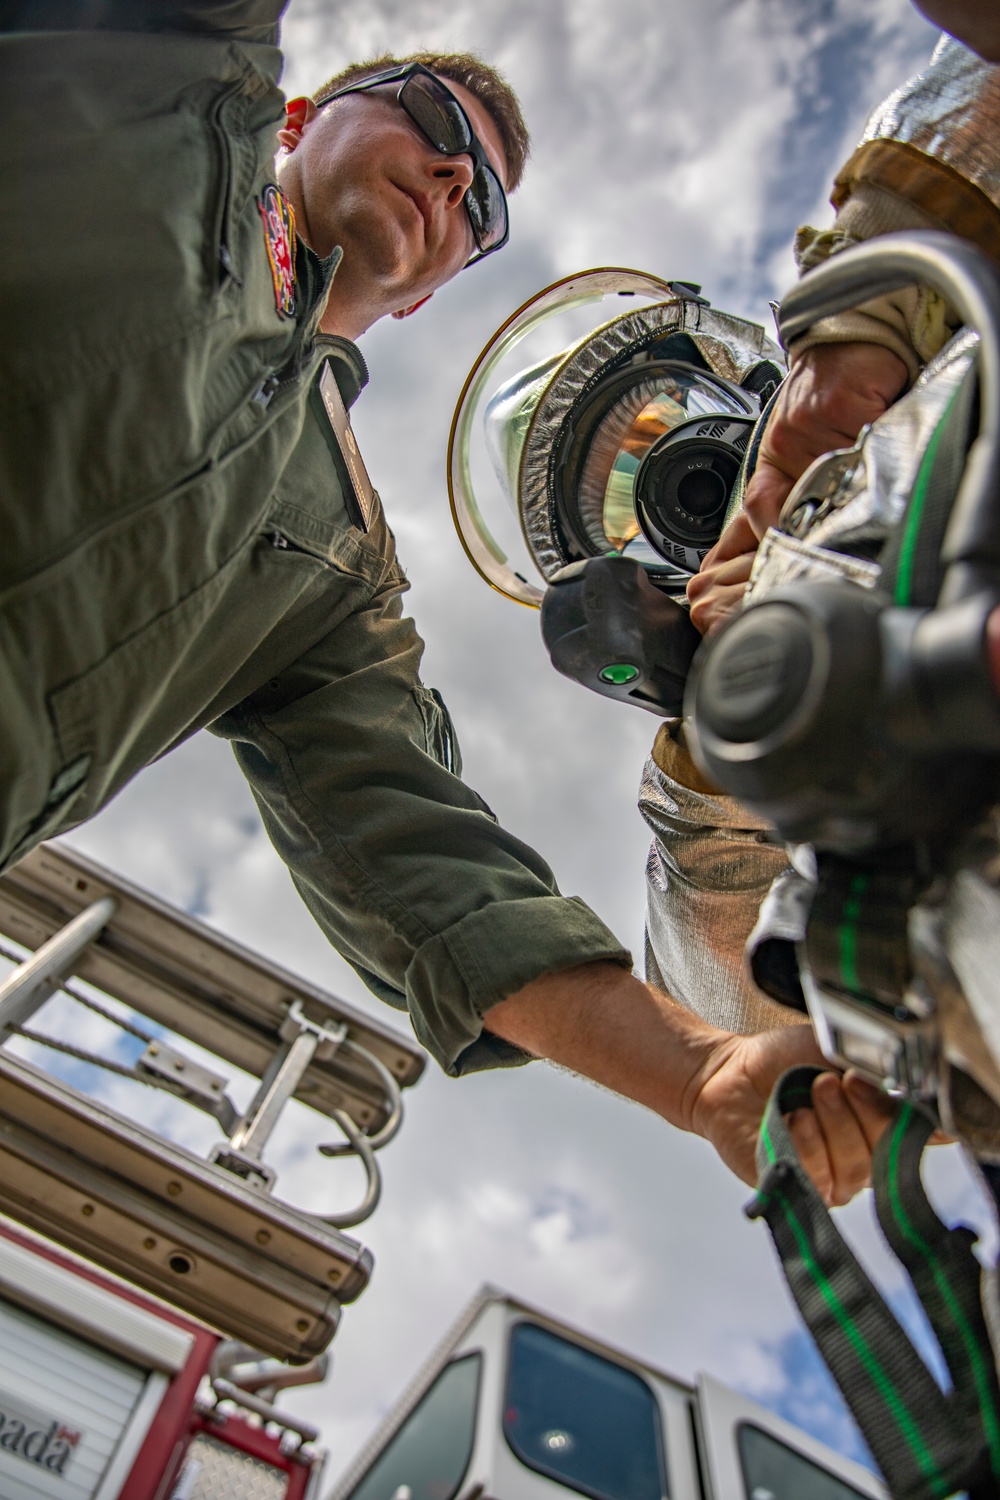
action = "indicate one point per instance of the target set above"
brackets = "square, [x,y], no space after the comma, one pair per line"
[493,92]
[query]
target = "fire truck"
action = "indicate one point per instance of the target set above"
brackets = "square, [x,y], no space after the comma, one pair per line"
[155,1304]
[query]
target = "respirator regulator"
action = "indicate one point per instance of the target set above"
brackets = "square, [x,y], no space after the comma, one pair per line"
[619,455]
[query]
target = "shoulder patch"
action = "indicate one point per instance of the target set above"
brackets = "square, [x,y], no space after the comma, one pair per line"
[278,218]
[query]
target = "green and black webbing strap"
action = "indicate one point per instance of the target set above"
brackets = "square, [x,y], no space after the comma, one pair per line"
[928,1445]
[945,1274]
[911,559]
[857,940]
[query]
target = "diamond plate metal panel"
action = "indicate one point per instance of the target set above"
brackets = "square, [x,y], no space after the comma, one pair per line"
[214,1471]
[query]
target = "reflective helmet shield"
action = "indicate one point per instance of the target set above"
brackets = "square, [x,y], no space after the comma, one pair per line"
[507,418]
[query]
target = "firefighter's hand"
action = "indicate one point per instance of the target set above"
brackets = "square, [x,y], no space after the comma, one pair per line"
[719,587]
[599,1020]
[831,392]
[835,1139]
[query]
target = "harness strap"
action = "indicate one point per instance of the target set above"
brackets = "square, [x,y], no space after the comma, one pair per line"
[912,570]
[944,1272]
[857,938]
[928,1445]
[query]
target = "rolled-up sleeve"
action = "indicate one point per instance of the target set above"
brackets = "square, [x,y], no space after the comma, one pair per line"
[440,910]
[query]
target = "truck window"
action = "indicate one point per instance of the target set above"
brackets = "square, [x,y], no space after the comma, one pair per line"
[428,1457]
[581,1419]
[773,1472]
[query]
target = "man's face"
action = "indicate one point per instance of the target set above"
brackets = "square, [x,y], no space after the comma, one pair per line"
[367,179]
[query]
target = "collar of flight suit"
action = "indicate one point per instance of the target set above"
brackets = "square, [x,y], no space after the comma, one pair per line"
[313,279]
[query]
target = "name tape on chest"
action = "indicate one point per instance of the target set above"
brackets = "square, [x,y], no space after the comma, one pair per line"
[362,494]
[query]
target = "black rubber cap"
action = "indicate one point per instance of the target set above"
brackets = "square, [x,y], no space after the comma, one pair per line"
[756,674]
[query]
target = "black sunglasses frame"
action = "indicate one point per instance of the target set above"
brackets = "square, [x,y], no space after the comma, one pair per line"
[474,149]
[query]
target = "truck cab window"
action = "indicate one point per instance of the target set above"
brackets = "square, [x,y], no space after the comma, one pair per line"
[581,1419]
[428,1457]
[773,1472]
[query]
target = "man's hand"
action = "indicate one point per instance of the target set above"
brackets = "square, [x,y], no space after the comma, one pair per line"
[832,391]
[835,1139]
[605,1024]
[719,586]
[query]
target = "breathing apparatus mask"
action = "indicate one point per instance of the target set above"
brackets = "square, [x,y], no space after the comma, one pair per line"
[619,455]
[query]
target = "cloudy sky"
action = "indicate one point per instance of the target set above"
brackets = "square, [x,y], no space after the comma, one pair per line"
[688,140]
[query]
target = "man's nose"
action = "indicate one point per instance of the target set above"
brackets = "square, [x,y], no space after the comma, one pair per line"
[454,174]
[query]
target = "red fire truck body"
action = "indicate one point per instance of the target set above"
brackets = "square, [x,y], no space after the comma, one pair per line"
[105,1395]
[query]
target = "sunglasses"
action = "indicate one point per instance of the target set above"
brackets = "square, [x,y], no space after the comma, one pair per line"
[440,118]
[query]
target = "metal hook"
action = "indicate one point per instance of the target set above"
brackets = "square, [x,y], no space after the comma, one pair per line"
[384,1136]
[361,1146]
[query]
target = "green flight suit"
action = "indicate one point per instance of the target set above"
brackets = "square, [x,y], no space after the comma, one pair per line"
[177,552]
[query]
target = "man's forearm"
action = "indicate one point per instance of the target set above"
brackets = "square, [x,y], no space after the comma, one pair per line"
[600,1021]
[608,1026]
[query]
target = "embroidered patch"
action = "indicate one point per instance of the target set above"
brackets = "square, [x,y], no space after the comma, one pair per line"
[278,218]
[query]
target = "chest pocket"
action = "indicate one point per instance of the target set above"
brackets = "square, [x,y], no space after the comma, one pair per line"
[310,509]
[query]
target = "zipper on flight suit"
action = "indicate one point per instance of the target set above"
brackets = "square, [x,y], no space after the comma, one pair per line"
[277,380]
[280,542]
[220,238]
[226,262]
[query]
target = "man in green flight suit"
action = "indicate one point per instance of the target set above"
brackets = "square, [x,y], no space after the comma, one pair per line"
[188,541]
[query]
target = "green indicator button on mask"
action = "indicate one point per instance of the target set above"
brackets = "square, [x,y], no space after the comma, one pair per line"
[619,673]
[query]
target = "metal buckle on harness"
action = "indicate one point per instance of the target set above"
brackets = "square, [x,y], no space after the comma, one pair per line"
[899,1049]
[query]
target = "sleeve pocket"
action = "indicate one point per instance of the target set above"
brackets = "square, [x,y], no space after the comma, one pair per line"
[440,739]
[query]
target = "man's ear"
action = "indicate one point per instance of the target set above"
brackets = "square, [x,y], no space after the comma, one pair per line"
[406,312]
[298,113]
